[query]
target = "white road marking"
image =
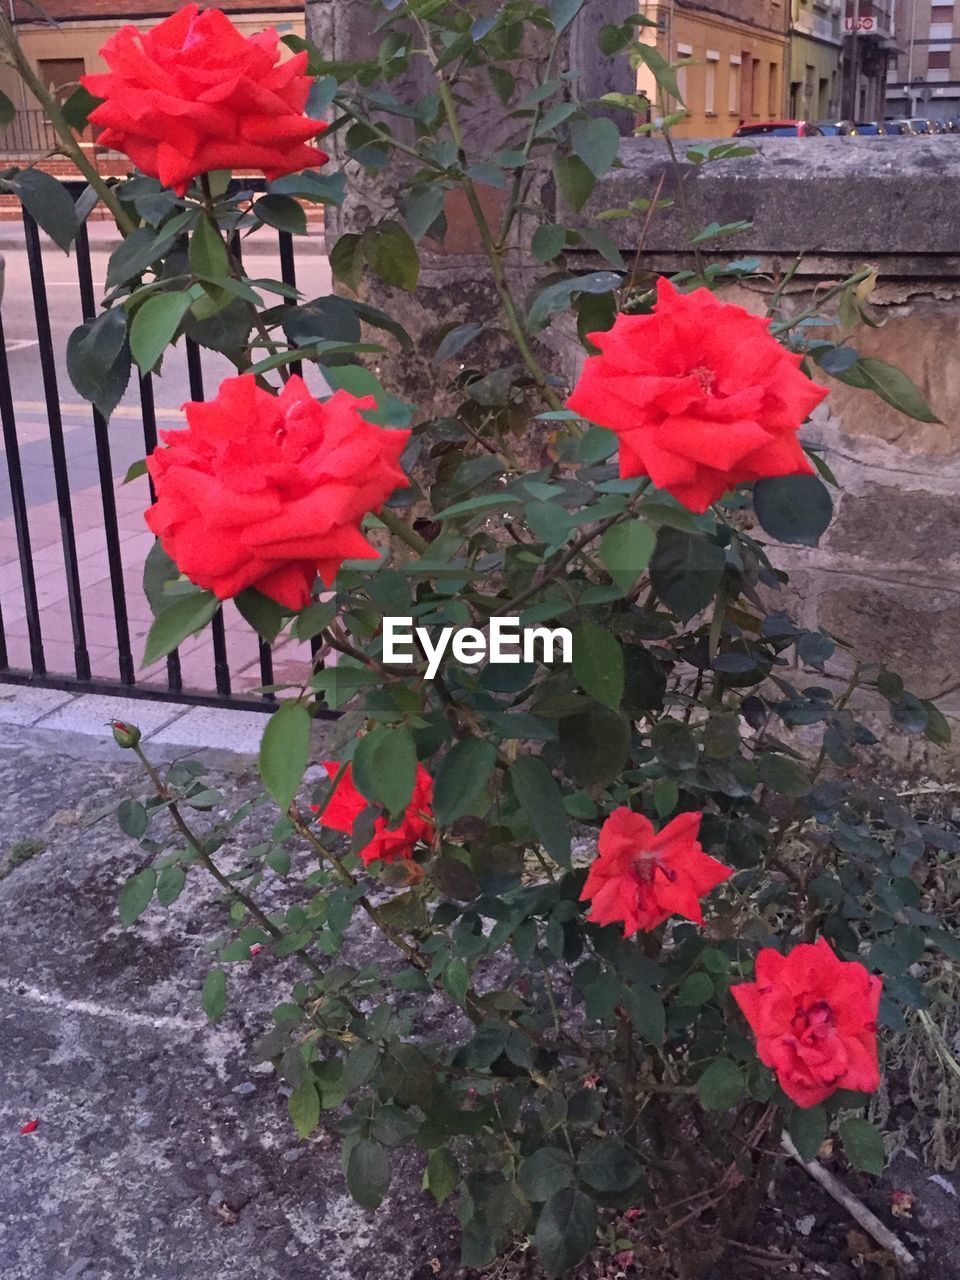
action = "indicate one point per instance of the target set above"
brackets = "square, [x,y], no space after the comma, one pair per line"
[74,406]
[19,344]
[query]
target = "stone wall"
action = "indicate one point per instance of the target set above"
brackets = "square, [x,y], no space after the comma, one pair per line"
[887,575]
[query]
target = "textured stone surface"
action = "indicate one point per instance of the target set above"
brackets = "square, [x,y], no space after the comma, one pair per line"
[162,1151]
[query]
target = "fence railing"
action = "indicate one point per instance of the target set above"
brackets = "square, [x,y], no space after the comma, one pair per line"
[29,133]
[213,682]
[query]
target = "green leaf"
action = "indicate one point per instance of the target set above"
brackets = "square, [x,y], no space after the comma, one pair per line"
[685,571]
[609,1165]
[7,110]
[213,997]
[625,551]
[575,182]
[722,1085]
[443,1174]
[304,1107]
[208,253]
[422,208]
[808,1128]
[794,509]
[136,894]
[660,68]
[539,796]
[390,412]
[368,1173]
[598,663]
[454,341]
[143,247]
[863,1145]
[596,142]
[566,1231]
[154,327]
[132,817]
[647,1013]
[360,1064]
[48,202]
[178,620]
[548,241]
[462,778]
[675,744]
[77,107]
[347,261]
[98,359]
[595,742]
[456,980]
[890,384]
[558,296]
[484,502]
[385,767]
[285,751]
[546,1172]
[265,616]
[282,212]
[783,775]
[170,884]
[390,252]
[563,12]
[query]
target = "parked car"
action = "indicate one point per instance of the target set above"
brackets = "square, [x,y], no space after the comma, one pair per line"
[872,128]
[779,129]
[921,125]
[837,128]
[902,128]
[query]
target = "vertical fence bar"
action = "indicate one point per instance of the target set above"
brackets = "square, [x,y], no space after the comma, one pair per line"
[221,664]
[21,521]
[263,649]
[48,370]
[149,412]
[108,500]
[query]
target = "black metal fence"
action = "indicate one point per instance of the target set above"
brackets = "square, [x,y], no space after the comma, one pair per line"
[217,685]
[29,133]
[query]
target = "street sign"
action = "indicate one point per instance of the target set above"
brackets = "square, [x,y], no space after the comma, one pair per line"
[860,24]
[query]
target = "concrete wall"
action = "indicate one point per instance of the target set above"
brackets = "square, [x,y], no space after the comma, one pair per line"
[887,575]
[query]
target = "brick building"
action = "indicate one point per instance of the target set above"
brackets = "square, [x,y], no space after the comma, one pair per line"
[738,56]
[925,79]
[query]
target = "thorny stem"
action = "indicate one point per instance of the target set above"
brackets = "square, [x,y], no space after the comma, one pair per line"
[684,203]
[400,529]
[784,326]
[203,857]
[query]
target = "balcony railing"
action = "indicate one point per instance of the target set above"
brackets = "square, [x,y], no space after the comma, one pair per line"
[29,133]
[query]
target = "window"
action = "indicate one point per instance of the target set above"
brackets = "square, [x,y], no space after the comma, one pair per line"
[754,103]
[939,59]
[941,31]
[683,51]
[773,90]
[733,90]
[710,83]
[61,75]
[941,13]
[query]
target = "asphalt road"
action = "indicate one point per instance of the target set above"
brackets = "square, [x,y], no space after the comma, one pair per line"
[171,389]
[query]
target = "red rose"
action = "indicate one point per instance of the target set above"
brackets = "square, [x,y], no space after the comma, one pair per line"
[415,827]
[192,95]
[268,491]
[642,876]
[815,1019]
[701,396]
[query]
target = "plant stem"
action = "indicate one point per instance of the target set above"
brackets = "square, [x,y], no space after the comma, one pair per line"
[784,326]
[400,529]
[203,857]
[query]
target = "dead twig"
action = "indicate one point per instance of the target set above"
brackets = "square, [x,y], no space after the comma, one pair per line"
[856,1208]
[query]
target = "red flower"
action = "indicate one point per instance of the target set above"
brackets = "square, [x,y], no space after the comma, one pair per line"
[415,827]
[700,394]
[192,95]
[30,1126]
[268,491]
[815,1019]
[642,876]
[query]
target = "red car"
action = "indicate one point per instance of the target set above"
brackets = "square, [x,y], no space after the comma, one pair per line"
[779,129]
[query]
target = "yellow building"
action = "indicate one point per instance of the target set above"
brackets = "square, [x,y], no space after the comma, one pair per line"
[735,51]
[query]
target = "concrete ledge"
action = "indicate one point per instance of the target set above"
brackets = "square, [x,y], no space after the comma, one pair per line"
[893,201]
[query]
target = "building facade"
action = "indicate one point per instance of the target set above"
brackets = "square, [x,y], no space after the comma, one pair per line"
[67,45]
[925,79]
[736,60]
[869,47]
[816,47]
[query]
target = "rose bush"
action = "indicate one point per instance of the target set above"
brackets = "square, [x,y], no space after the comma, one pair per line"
[649,889]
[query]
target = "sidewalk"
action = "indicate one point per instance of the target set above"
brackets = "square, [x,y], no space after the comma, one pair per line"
[104,238]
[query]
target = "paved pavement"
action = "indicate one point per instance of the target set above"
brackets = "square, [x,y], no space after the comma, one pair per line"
[126,445]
